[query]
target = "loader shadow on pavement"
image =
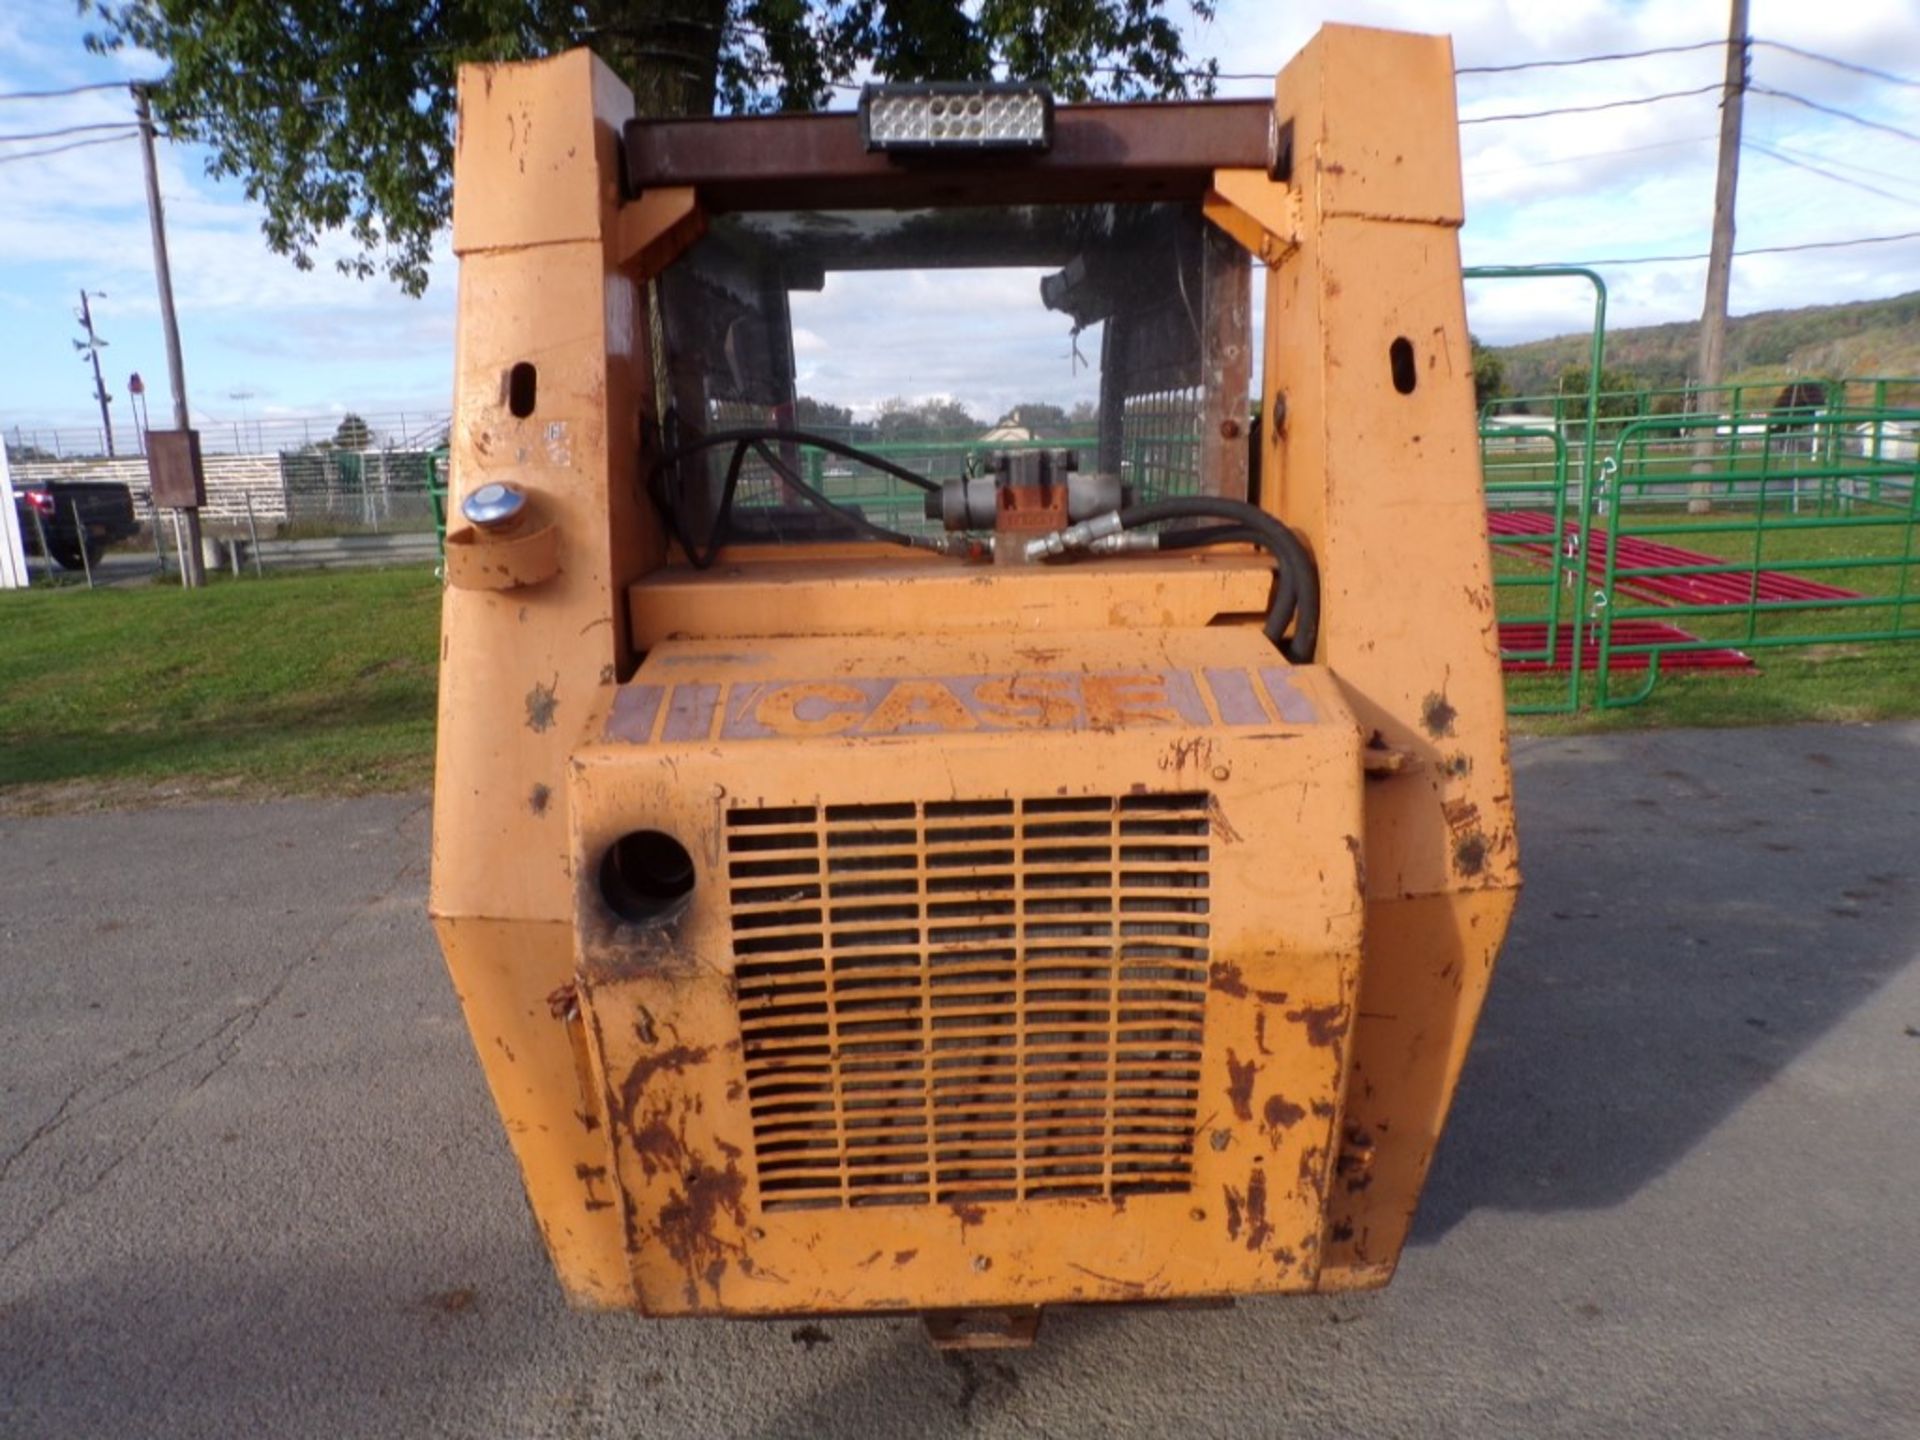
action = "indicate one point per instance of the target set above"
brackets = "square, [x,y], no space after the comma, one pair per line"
[1699,907]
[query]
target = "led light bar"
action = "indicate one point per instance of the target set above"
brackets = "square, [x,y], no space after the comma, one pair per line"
[947,116]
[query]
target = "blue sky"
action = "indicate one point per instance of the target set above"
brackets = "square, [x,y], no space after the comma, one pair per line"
[267,339]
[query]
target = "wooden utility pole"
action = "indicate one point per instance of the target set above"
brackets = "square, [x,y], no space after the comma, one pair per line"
[93,344]
[191,573]
[1711,365]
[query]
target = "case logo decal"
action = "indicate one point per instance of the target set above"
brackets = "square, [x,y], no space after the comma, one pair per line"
[955,704]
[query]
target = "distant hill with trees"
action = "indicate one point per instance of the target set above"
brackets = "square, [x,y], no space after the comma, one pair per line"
[1862,337]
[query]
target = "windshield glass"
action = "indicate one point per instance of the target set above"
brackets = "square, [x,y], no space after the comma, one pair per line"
[936,337]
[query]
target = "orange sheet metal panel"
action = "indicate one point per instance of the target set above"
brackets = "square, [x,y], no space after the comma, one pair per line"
[1378,468]
[1013,970]
[797,593]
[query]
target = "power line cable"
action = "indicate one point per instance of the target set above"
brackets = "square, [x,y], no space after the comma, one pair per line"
[132,131]
[1202,74]
[1835,111]
[1829,175]
[1907,178]
[1589,155]
[73,90]
[66,130]
[1463,69]
[1186,73]
[1586,59]
[1756,250]
[1839,64]
[1589,109]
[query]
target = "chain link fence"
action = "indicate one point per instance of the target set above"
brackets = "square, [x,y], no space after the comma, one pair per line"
[358,491]
[424,430]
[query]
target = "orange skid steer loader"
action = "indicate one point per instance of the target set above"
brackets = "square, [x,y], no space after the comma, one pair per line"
[966,874]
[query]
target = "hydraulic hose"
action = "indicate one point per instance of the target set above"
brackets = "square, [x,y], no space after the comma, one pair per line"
[757,439]
[822,503]
[1295,604]
[1296,591]
[798,437]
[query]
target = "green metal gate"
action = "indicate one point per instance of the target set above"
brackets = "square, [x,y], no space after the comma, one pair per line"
[1540,493]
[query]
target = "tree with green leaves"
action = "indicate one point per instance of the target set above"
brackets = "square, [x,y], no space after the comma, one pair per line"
[1620,393]
[352,434]
[1489,372]
[812,414]
[339,118]
[1039,418]
[903,419]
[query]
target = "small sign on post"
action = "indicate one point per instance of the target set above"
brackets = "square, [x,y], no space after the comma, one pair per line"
[173,468]
[179,482]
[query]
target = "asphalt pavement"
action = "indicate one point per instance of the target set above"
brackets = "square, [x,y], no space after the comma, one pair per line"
[251,1184]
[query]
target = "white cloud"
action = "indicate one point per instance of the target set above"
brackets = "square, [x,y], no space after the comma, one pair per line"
[978,336]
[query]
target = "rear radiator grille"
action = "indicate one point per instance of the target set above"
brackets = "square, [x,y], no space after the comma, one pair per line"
[971,1000]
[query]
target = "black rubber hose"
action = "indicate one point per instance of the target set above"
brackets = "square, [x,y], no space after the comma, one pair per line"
[757,439]
[821,502]
[797,437]
[1298,601]
[1285,600]
[1211,535]
[721,515]
[1296,595]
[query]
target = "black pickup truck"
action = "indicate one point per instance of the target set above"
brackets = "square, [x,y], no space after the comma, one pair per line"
[104,515]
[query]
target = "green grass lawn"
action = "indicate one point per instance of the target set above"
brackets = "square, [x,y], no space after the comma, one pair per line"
[303,684]
[1791,686]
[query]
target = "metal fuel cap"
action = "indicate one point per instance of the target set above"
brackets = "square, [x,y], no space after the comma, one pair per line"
[494,505]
